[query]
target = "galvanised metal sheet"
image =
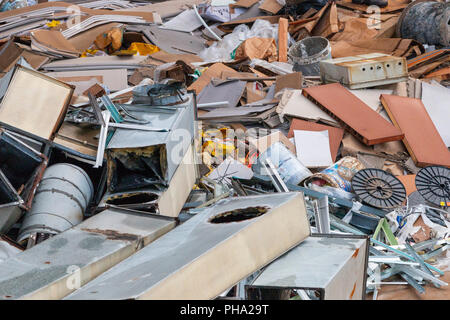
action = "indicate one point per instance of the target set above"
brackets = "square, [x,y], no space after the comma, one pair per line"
[336,265]
[57,266]
[177,119]
[209,253]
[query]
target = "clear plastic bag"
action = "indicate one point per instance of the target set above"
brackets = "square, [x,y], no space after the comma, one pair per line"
[222,51]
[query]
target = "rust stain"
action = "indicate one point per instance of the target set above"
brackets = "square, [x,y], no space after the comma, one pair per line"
[355,254]
[114,235]
[353,291]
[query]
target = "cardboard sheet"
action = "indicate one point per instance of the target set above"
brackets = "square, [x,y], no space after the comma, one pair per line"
[213,71]
[114,79]
[54,41]
[257,48]
[291,80]
[263,143]
[392,46]
[271,6]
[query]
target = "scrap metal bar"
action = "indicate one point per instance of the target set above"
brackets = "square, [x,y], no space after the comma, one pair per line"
[102,140]
[111,108]
[420,261]
[407,256]
[274,176]
[433,253]
[136,127]
[400,270]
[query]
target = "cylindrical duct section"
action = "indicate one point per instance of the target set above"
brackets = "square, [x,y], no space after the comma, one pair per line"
[60,201]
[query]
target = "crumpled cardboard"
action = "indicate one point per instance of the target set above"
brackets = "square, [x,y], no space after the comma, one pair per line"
[392,46]
[110,41]
[258,48]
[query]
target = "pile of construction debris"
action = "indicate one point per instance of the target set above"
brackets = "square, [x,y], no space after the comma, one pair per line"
[273,149]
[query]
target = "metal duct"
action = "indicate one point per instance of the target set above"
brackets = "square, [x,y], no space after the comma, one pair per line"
[60,201]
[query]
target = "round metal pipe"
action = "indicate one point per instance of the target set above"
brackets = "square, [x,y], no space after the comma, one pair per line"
[60,201]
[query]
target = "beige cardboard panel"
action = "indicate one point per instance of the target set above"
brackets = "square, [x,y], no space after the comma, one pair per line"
[35,103]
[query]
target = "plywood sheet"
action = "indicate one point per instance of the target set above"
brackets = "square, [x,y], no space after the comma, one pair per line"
[35,103]
[422,140]
[366,124]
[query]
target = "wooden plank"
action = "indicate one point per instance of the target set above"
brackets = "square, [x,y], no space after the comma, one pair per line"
[364,123]
[283,25]
[422,140]
[442,74]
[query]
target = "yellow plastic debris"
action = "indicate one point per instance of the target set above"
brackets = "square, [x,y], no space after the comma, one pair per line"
[88,52]
[53,23]
[144,49]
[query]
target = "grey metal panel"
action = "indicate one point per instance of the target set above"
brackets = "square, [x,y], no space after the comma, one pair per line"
[178,119]
[200,259]
[11,209]
[94,246]
[175,42]
[316,263]
[230,91]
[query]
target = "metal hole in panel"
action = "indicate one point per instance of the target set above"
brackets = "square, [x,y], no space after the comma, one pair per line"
[240,214]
